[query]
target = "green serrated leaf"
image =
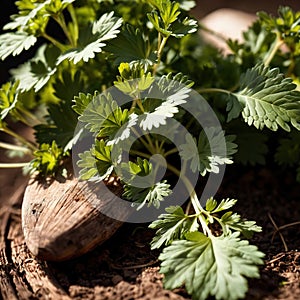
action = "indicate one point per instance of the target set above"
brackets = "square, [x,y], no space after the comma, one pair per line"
[8,98]
[140,184]
[91,39]
[234,221]
[287,24]
[96,164]
[47,159]
[215,266]
[68,85]
[103,115]
[233,107]
[211,204]
[134,79]
[58,129]
[214,149]
[153,195]
[15,43]
[29,15]
[224,205]
[184,27]
[37,72]
[138,47]
[269,99]
[169,11]
[172,226]
[167,109]
[82,101]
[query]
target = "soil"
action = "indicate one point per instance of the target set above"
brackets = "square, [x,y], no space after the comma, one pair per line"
[124,267]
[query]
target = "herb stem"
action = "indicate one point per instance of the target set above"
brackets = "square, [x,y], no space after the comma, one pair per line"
[27,118]
[13,165]
[172,151]
[14,147]
[55,42]
[213,90]
[147,142]
[18,137]
[62,23]
[195,201]
[74,23]
[140,153]
[161,45]
[276,45]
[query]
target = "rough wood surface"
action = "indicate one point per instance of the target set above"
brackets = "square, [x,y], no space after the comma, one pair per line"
[22,276]
[63,220]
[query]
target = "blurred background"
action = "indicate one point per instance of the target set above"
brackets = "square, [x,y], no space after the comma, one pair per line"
[203,8]
[251,6]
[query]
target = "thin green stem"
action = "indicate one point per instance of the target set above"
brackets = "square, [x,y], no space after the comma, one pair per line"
[145,141]
[19,138]
[140,105]
[194,199]
[62,23]
[212,90]
[133,106]
[75,23]
[140,153]
[188,208]
[150,144]
[13,165]
[31,117]
[196,203]
[55,42]
[27,118]
[161,48]
[161,44]
[14,147]
[276,45]
[172,151]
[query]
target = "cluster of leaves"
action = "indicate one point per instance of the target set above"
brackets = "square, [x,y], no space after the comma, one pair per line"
[145,48]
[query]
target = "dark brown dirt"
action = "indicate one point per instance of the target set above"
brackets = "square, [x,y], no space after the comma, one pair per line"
[125,268]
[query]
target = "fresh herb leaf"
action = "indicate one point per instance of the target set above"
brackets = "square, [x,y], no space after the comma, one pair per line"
[152,195]
[96,164]
[287,23]
[15,43]
[167,109]
[8,98]
[91,39]
[102,115]
[82,101]
[234,221]
[172,226]
[48,159]
[37,72]
[269,99]
[141,186]
[210,152]
[214,266]
[138,47]
[213,207]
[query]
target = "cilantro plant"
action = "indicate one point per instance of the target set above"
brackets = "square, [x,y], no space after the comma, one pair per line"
[140,46]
